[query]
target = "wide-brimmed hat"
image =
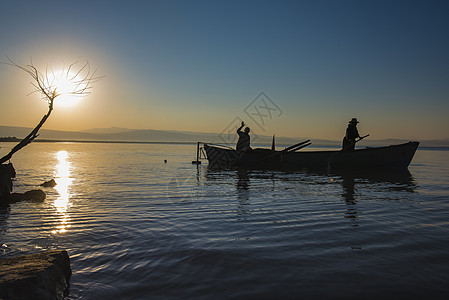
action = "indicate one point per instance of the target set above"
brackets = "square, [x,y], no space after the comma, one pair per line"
[353,120]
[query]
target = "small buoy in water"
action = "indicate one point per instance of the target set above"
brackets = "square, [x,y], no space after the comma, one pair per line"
[165,161]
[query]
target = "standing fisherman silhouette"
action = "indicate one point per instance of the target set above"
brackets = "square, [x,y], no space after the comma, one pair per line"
[244,138]
[351,134]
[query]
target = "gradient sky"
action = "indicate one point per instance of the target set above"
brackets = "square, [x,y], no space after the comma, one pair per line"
[201,65]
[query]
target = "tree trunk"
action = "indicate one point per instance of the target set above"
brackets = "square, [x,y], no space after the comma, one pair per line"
[29,138]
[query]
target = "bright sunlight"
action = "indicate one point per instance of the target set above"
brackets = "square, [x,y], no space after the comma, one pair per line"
[65,82]
[63,183]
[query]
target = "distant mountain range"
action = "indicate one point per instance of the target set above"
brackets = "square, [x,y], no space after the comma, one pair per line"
[115,134]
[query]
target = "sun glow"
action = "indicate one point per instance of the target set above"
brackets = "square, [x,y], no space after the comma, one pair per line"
[66,84]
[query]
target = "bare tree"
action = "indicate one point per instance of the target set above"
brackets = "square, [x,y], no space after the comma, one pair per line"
[81,79]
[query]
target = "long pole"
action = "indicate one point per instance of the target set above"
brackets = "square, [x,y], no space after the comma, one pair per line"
[197,161]
[343,150]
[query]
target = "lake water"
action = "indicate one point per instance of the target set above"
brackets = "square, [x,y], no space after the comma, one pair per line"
[138,228]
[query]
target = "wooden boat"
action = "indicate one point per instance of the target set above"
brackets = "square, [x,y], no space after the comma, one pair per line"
[388,157]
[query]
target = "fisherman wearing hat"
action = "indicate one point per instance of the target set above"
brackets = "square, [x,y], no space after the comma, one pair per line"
[351,134]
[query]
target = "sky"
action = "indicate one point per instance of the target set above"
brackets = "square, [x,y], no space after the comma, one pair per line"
[289,68]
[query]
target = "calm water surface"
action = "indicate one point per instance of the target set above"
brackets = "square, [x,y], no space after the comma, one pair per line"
[138,228]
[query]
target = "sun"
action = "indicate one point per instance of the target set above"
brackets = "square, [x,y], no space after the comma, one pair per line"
[67,84]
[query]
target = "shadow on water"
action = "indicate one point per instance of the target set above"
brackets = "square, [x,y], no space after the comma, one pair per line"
[399,181]
[348,185]
[351,186]
[243,193]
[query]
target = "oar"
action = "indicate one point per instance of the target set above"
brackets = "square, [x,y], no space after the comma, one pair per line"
[342,150]
[288,149]
[295,145]
[361,138]
[299,147]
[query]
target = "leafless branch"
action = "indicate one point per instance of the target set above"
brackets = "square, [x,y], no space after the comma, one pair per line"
[46,86]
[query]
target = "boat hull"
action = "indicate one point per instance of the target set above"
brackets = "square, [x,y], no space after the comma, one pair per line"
[389,157]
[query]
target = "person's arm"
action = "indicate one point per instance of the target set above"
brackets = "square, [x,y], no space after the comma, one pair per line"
[240,128]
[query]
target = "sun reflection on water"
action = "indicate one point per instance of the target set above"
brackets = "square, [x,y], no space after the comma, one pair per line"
[63,183]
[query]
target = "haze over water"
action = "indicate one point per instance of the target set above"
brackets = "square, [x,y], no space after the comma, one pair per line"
[138,228]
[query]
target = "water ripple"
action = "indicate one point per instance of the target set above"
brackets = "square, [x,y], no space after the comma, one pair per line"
[138,228]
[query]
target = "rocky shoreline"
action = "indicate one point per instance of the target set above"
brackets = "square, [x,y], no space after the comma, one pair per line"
[38,276]
[44,275]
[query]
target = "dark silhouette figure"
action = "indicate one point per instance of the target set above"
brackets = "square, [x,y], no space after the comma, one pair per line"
[351,134]
[244,140]
[7,172]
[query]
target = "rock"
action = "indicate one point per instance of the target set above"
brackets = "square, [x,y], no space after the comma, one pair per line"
[44,275]
[50,183]
[33,195]
[6,173]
